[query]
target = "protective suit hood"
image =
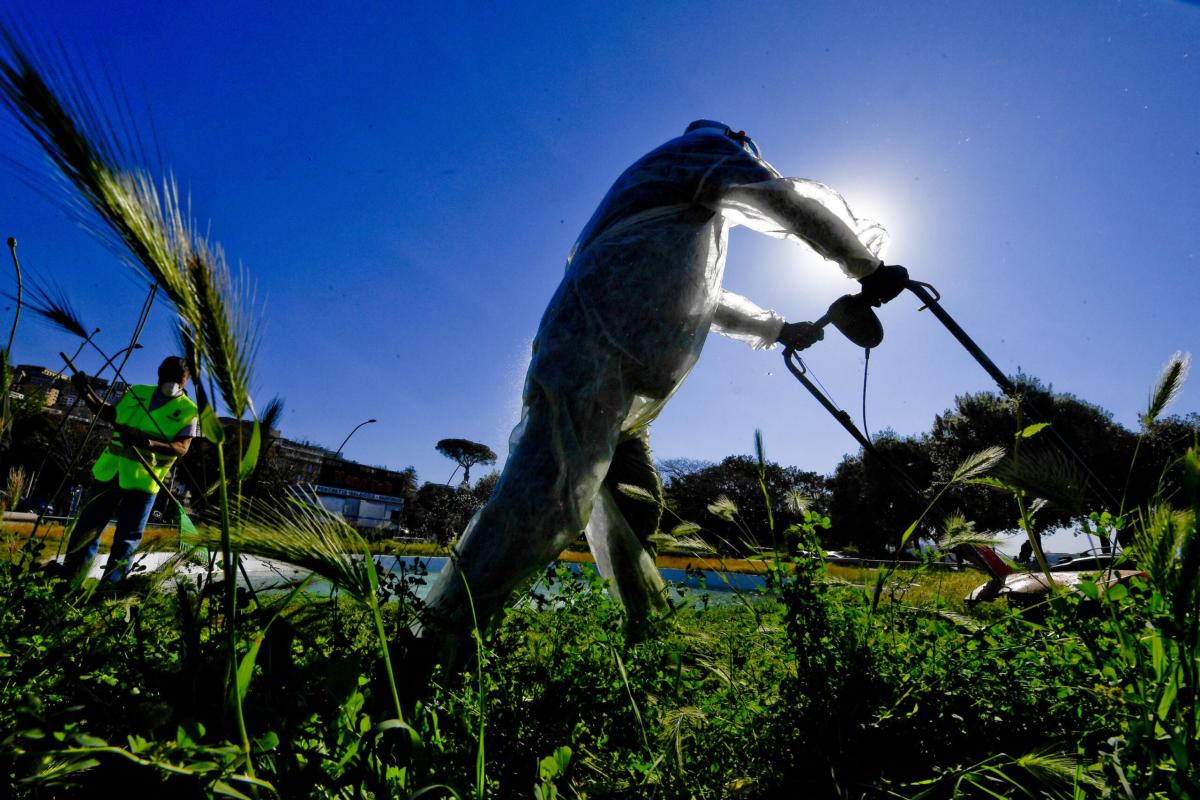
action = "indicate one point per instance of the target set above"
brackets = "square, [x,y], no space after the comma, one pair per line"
[706,123]
[738,136]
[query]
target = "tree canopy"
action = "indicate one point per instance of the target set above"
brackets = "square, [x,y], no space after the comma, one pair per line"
[869,508]
[466,454]
[441,513]
[690,494]
[988,419]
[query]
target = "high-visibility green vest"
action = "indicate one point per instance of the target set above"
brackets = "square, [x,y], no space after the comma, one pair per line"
[162,424]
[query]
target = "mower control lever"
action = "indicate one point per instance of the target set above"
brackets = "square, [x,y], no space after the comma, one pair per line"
[851,314]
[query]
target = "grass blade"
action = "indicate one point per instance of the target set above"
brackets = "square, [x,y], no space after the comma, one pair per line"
[977,464]
[304,535]
[1167,387]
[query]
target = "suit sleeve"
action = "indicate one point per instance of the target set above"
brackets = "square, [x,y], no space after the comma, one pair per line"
[811,213]
[738,318]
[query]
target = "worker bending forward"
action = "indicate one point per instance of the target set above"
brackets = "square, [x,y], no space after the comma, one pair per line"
[641,292]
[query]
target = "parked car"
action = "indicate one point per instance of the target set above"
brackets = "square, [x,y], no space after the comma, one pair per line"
[1026,587]
[1085,562]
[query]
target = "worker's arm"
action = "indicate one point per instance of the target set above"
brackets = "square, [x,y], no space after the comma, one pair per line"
[738,318]
[178,447]
[812,213]
[101,409]
[761,328]
[815,215]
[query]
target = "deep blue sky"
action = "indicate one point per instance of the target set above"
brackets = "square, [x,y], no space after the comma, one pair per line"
[404,183]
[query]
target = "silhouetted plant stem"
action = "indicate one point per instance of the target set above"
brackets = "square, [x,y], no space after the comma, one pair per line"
[377,615]
[231,602]
[1035,541]
[12,334]
[480,754]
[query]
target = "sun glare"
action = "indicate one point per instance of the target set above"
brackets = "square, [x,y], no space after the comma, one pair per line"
[873,200]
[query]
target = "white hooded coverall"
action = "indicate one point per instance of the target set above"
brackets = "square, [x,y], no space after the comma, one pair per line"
[642,290]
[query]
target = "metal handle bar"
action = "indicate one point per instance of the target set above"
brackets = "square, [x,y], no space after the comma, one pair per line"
[922,291]
[797,368]
[929,296]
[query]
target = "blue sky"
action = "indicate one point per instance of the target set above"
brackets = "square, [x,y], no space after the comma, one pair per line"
[404,182]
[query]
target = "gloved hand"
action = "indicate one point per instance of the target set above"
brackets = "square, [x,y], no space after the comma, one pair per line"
[799,335]
[884,284]
[80,381]
[131,437]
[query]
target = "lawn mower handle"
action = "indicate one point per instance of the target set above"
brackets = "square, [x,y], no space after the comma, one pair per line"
[929,296]
[855,319]
[930,299]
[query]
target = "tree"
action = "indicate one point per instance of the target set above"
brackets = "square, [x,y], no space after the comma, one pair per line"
[483,488]
[1157,469]
[674,468]
[69,463]
[466,454]
[47,453]
[869,507]
[440,513]
[988,419]
[690,494]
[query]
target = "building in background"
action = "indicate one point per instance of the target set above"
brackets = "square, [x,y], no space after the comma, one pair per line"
[372,499]
[60,396]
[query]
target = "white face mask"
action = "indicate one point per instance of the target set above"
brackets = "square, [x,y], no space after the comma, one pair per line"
[170,389]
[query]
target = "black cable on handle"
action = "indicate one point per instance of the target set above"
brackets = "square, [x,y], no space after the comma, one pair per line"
[866,368]
[796,366]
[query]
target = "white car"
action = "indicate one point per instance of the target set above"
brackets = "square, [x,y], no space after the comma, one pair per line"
[1023,588]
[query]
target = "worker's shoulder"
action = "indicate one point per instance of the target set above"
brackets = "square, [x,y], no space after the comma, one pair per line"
[140,391]
[696,158]
[697,146]
[180,408]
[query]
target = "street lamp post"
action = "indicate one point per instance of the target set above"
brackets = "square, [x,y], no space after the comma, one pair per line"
[351,433]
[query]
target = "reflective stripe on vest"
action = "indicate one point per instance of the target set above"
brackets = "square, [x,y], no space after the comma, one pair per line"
[162,424]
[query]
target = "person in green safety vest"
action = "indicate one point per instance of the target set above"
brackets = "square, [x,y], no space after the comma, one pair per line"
[152,426]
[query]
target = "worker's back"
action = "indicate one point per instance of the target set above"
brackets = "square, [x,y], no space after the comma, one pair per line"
[689,169]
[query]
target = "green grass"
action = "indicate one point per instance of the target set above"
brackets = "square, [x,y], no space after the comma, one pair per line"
[921,588]
[165,536]
[387,547]
[786,696]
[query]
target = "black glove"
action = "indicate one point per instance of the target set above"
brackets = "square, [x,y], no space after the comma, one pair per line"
[80,381]
[799,335]
[884,284]
[134,438]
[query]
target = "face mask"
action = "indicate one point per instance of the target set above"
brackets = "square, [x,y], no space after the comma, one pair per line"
[170,389]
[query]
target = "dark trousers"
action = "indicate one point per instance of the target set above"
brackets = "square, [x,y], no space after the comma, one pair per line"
[106,500]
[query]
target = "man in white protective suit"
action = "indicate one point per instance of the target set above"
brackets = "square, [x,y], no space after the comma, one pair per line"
[641,292]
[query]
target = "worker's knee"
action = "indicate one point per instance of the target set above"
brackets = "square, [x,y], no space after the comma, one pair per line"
[633,465]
